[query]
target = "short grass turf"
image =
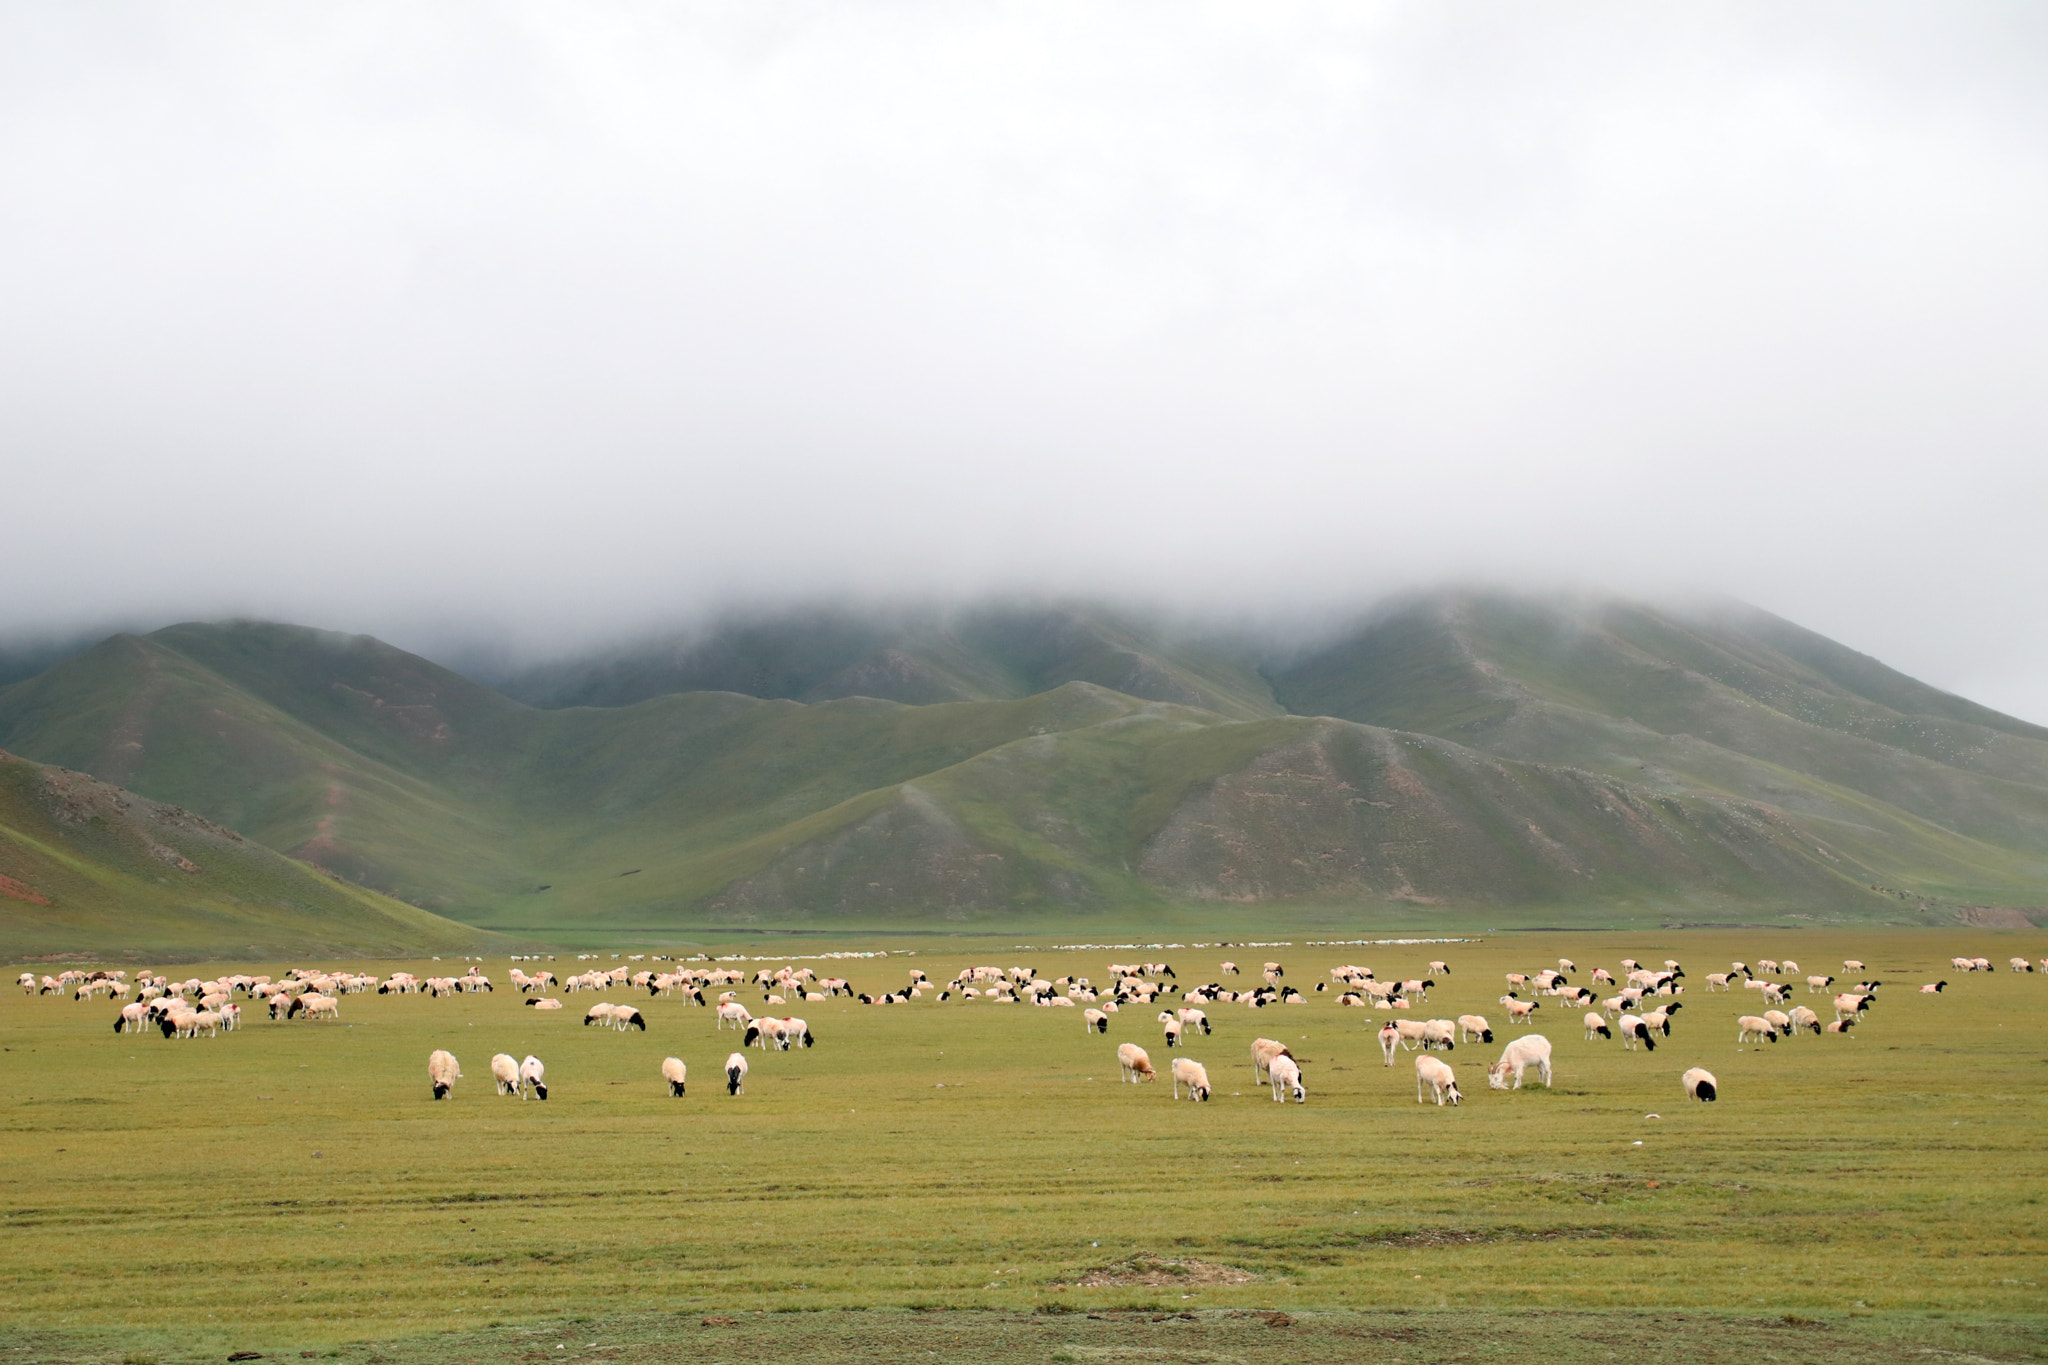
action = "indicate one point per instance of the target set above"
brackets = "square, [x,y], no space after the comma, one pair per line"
[294,1187]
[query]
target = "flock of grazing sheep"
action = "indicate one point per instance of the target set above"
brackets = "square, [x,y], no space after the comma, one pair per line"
[1640,1010]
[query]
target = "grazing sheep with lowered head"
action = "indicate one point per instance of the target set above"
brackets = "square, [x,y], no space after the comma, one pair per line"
[533,1073]
[1438,1078]
[1192,1074]
[1132,1063]
[505,1071]
[444,1071]
[1700,1084]
[1286,1077]
[736,1074]
[1531,1049]
[1264,1051]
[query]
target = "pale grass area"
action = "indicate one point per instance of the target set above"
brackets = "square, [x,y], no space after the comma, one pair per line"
[298,1182]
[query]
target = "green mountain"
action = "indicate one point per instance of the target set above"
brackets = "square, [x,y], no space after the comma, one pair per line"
[989,653]
[1449,754]
[89,869]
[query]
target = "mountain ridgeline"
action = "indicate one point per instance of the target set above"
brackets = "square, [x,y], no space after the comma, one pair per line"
[1449,756]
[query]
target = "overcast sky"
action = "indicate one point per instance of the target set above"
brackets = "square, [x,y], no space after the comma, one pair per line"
[567,320]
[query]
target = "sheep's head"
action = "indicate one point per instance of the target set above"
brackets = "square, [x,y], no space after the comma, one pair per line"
[1497,1075]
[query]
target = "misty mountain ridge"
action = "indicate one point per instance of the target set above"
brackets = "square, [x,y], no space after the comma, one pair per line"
[1447,751]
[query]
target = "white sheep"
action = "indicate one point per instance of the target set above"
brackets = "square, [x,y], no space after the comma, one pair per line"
[1264,1051]
[1096,1020]
[1751,1024]
[734,1013]
[1192,1074]
[533,1073]
[1531,1049]
[676,1074]
[444,1071]
[1439,1035]
[1285,1074]
[1471,1025]
[505,1071]
[1700,1084]
[1133,1065]
[1596,1026]
[1390,1041]
[1173,1029]
[736,1074]
[550,1003]
[1438,1078]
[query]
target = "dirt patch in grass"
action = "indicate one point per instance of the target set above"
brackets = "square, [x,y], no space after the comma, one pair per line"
[1157,1272]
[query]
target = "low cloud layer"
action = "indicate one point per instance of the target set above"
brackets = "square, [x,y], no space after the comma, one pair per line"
[553,323]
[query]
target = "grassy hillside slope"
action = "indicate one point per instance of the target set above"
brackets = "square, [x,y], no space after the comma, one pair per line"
[1730,701]
[990,653]
[89,869]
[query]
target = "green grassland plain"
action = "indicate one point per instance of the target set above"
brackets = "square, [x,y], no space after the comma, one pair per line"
[294,1186]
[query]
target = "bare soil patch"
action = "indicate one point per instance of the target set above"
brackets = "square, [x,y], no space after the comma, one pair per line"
[1157,1272]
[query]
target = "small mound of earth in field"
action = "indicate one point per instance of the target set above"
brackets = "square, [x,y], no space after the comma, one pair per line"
[1155,1271]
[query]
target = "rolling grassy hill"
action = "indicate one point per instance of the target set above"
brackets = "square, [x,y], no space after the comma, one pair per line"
[88,867]
[989,653]
[1449,755]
